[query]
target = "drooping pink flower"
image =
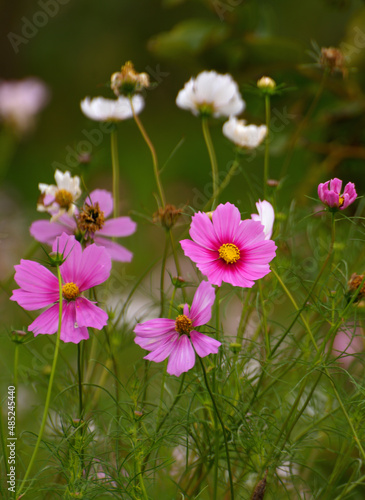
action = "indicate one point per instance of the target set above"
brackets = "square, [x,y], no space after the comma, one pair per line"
[266,216]
[176,337]
[82,269]
[91,224]
[330,194]
[228,249]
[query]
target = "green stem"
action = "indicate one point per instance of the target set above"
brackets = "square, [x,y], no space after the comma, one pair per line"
[79,371]
[267,143]
[153,153]
[177,263]
[264,321]
[222,426]
[303,123]
[231,172]
[50,384]
[162,277]
[213,161]
[115,166]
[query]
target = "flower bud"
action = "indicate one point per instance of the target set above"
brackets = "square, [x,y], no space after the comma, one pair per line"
[266,83]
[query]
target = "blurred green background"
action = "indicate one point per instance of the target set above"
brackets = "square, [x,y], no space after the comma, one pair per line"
[77,50]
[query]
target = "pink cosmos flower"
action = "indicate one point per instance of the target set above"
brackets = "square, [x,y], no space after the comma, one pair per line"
[330,194]
[228,249]
[91,223]
[266,216]
[176,338]
[40,288]
[348,342]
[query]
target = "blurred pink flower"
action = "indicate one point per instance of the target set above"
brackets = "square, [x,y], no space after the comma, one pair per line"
[348,342]
[176,338]
[266,216]
[228,249]
[21,101]
[330,194]
[40,288]
[98,205]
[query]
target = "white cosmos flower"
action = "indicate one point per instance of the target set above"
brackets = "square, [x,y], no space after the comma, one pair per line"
[211,94]
[21,101]
[266,216]
[61,198]
[244,136]
[102,110]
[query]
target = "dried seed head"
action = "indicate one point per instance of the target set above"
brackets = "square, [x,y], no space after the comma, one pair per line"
[354,284]
[90,219]
[333,59]
[128,81]
[167,216]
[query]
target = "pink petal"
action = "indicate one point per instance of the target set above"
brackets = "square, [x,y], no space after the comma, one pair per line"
[201,308]
[161,353]
[39,287]
[94,267]
[203,344]
[182,357]
[72,252]
[118,227]
[213,270]
[47,322]
[248,233]
[104,198]
[336,185]
[45,231]
[197,253]
[155,327]
[202,232]
[115,251]
[154,343]
[70,331]
[88,314]
[226,220]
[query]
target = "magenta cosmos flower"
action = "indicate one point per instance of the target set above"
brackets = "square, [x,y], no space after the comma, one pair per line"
[176,338]
[228,249]
[330,194]
[40,288]
[90,223]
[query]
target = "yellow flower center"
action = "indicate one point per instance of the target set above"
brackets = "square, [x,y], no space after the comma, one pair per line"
[341,201]
[183,324]
[229,253]
[70,291]
[64,198]
[91,218]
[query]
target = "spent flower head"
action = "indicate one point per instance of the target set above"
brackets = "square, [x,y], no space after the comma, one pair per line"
[91,224]
[228,249]
[244,136]
[178,339]
[211,94]
[60,198]
[330,194]
[39,288]
[127,81]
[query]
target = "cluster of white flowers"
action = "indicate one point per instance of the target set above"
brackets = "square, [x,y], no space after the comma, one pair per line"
[212,94]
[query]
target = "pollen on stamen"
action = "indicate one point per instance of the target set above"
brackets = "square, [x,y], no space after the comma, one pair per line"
[70,291]
[64,198]
[229,253]
[183,324]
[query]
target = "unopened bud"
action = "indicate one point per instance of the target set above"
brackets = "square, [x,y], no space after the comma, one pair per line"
[266,83]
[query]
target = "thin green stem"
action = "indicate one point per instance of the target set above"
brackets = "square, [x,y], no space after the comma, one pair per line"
[264,321]
[267,143]
[115,167]
[50,384]
[303,123]
[177,263]
[213,160]
[231,172]
[162,277]
[222,426]
[153,153]
[79,372]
